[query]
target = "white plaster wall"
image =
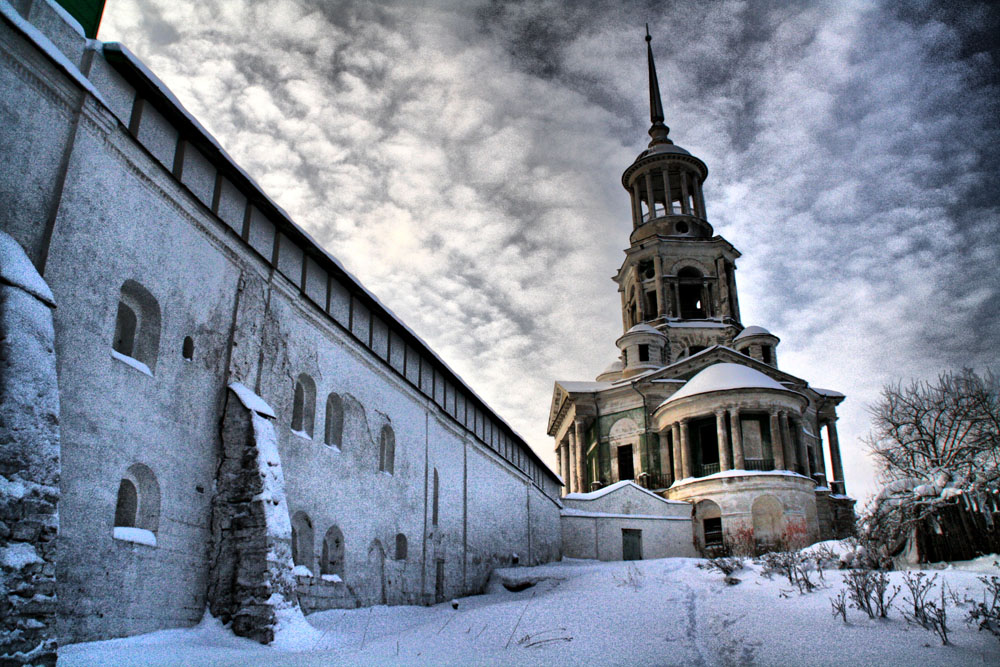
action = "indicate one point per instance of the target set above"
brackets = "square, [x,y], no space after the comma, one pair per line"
[601,537]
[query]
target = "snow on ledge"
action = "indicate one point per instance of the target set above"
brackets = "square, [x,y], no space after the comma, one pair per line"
[252,401]
[739,473]
[606,515]
[51,50]
[135,535]
[129,361]
[301,571]
[333,578]
[594,495]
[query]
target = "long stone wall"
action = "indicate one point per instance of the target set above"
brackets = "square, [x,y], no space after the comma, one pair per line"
[146,209]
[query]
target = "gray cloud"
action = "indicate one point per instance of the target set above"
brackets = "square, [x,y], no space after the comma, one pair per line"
[464,161]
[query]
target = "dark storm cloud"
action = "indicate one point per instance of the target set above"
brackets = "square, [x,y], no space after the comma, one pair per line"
[464,159]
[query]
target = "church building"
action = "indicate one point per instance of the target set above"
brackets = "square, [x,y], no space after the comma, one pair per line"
[695,407]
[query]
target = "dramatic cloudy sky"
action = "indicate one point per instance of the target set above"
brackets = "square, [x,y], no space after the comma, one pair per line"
[463,159]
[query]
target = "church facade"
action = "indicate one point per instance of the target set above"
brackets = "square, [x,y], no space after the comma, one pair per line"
[695,406]
[199,406]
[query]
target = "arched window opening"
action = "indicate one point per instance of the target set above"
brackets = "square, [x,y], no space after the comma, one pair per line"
[434,505]
[333,553]
[387,450]
[137,325]
[304,406]
[644,208]
[690,292]
[187,349]
[400,546]
[695,349]
[704,446]
[334,430]
[125,326]
[128,503]
[138,501]
[302,541]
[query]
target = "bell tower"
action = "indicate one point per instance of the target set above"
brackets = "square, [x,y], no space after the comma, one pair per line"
[678,276]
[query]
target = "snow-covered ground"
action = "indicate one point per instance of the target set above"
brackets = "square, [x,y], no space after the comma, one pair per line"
[662,612]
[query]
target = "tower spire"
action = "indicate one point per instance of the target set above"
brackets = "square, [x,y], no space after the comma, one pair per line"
[658,131]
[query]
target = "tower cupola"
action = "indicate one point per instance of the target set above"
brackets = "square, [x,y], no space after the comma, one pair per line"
[665,181]
[759,343]
[643,348]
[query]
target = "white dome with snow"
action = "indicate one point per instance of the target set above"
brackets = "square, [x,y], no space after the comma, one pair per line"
[643,328]
[753,331]
[720,377]
[614,367]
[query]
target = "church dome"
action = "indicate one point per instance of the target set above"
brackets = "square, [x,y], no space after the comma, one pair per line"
[642,327]
[753,331]
[720,377]
[613,367]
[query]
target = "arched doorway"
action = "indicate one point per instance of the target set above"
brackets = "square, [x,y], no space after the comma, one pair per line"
[708,521]
[376,565]
[768,521]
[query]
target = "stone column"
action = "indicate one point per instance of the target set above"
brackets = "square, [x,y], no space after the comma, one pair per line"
[559,459]
[649,195]
[725,455]
[821,455]
[685,202]
[675,430]
[723,282]
[625,326]
[640,300]
[664,455]
[685,449]
[791,456]
[777,447]
[661,302]
[581,453]
[636,205]
[706,301]
[736,429]
[796,425]
[701,202]
[667,203]
[571,482]
[838,468]
[677,298]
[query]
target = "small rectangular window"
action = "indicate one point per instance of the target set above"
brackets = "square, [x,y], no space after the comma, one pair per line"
[643,353]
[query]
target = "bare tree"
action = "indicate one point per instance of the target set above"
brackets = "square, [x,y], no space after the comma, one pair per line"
[953,426]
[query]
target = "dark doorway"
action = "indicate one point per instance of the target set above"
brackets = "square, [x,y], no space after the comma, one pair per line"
[625,468]
[713,531]
[705,441]
[631,544]
[439,580]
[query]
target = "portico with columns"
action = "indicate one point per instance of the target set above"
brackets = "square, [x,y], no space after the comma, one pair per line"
[695,407]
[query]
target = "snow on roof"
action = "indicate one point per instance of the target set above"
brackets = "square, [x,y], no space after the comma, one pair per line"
[50,49]
[17,270]
[828,392]
[738,473]
[594,495]
[584,387]
[753,331]
[569,511]
[643,328]
[613,367]
[701,324]
[720,377]
[153,80]
[251,401]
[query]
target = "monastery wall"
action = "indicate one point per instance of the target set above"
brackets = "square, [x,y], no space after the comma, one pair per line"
[151,213]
